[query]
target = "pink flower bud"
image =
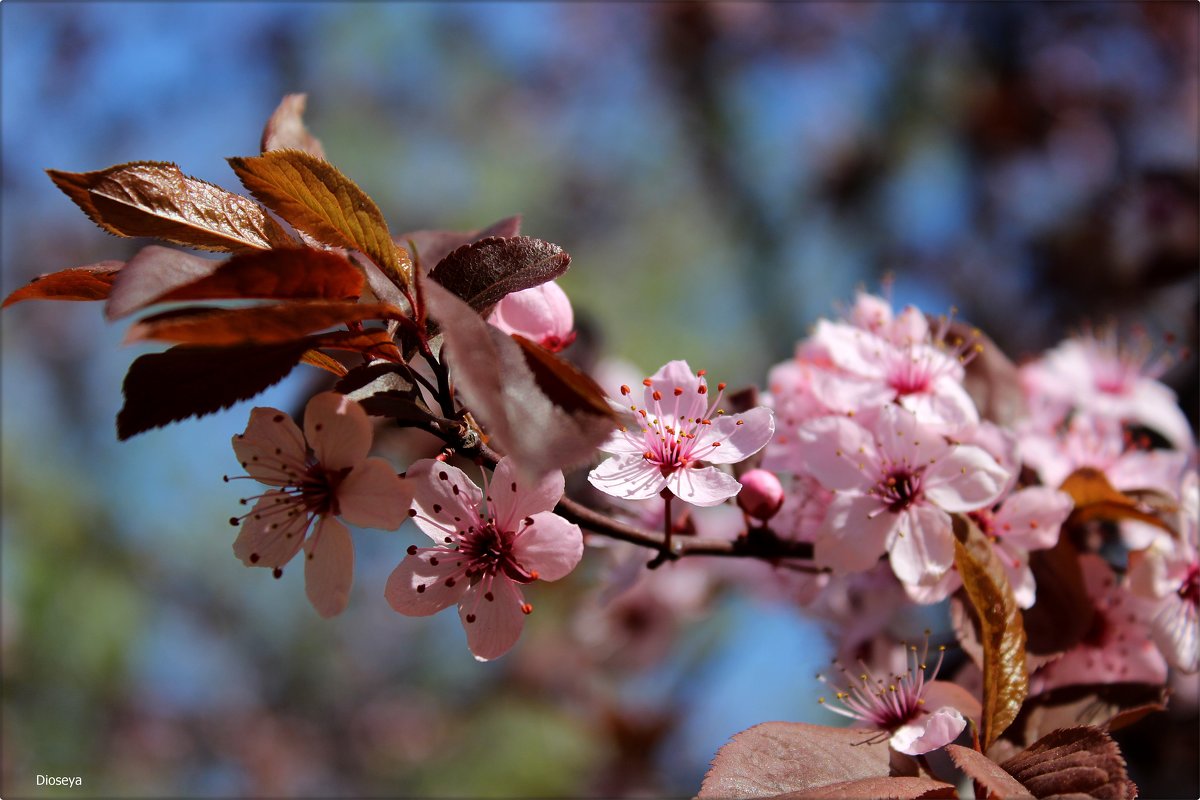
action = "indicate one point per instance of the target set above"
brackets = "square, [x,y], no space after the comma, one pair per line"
[762,494]
[541,314]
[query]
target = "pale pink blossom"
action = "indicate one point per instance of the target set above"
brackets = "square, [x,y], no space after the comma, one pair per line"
[896,485]
[1117,646]
[1168,573]
[668,439]
[1101,376]
[541,314]
[334,478]
[918,715]
[486,547]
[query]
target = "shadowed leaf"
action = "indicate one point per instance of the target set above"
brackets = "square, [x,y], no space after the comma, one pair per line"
[258,325]
[561,381]
[316,198]
[428,247]
[898,788]
[92,282]
[153,198]
[150,274]
[1063,612]
[987,773]
[484,272]
[285,130]
[292,273]
[161,388]
[1095,498]
[1002,632]
[1110,706]
[384,390]
[1074,762]
[776,758]
[495,381]
[991,378]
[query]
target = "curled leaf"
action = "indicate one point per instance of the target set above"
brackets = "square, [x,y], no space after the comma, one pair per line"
[93,282]
[484,272]
[285,130]
[1095,498]
[154,198]
[312,195]
[1075,762]
[258,325]
[1002,631]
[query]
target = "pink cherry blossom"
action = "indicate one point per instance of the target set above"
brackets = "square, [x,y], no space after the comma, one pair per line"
[485,548]
[1117,646]
[333,478]
[897,483]
[1168,573]
[668,438]
[542,314]
[1102,376]
[918,715]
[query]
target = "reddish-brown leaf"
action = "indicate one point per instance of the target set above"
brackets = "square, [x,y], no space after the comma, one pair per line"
[373,342]
[318,359]
[92,282]
[776,758]
[429,247]
[258,325]
[482,273]
[1002,632]
[895,788]
[495,381]
[161,388]
[151,273]
[1076,762]
[287,273]
[1063,612]
[385,390]
[1095,498]
[571,390]
[153,198]
[987,773]
[1110,706]
[285,130]
[317,199]
[991,377]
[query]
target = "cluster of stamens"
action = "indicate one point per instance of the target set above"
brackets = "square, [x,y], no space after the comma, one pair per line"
[670,435]
[914,366]
[885,704]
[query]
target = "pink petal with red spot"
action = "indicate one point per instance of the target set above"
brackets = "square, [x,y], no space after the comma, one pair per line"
[1032,517]
[272,534]
[551,546]
[448,488]
[492,626]
[417,588]
[965,480]
[272,448]
[329,567]
[513,497]
[337,429]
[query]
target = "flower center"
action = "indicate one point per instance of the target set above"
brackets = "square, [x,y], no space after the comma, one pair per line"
[899,489]
[887,704]
[1190,590]
[674,430]
[489,551]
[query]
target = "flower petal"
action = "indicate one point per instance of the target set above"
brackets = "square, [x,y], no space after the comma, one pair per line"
[630,477]
[924,545]
[854,534]
[706,486]
[492,625]
[904,439]
[329,567]
[966,479]
[673,375]
[338,430]
[273,532]
[272,448]
[374,496]
[513,497]
[551,546]
[740,436]
[839,453]
[417,588]
[1032,517]
[929,733]
[443,492]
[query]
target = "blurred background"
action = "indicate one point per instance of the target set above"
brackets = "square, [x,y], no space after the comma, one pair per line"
[722,174]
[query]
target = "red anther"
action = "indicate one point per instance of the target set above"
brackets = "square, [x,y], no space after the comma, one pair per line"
[624,389]
[678,391]
[527,608]
[642,411]
[533,573]
[647,455]
[702,389]
[657,395]
[646,382]
[716,444]
[700,373]
[720,387]
[440,456]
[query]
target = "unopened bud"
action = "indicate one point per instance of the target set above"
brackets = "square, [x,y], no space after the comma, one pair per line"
[761,496]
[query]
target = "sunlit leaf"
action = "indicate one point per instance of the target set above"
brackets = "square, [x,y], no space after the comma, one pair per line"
[289,273]
[987,773]
[1095,498]
[93,282]
[285,130]
[1002,632]
[316,198]
[153,198]
[258,325]
[318,359]
[150,274]
[1073,762]
[482,273]
[495,381]
[373,342]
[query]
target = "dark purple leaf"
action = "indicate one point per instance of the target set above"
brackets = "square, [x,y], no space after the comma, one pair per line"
[285,130]
[1063,612]
[150,274]
[899,788]
[286,273]
[384,390]
[428,247]
[268,324]
[1082,761]
[482,273]
[987,773]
